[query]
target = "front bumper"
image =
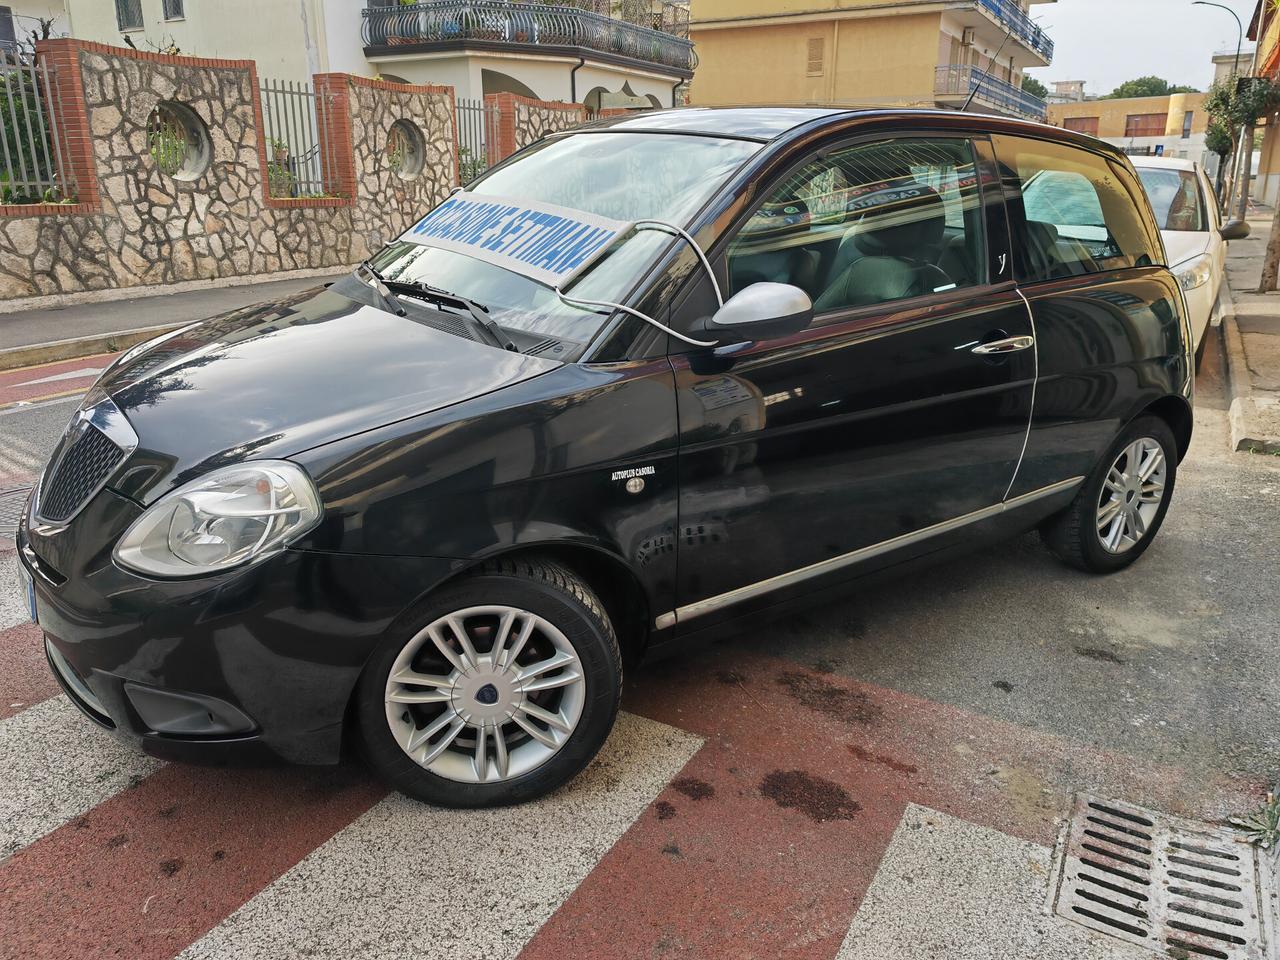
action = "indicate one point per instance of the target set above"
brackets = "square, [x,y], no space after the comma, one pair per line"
[253,665]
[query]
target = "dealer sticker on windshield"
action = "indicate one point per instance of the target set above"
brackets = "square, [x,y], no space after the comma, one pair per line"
[549,244]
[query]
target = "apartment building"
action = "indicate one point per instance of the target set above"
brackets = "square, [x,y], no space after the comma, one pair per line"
[918,52]
[1264,29]
[1171,126]
[606,53]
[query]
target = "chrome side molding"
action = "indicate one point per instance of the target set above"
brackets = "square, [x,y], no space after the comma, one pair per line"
[698,608]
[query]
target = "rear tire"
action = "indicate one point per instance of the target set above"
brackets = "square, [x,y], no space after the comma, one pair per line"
[498,689]
[1120,507]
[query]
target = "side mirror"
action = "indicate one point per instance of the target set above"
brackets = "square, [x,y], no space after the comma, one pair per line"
[1235,230]
[763,311]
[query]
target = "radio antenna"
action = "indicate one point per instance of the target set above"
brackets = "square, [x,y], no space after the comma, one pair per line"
[974,92]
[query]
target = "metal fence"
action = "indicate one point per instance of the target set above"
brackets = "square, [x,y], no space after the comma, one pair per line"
[32,149]
[477,138]
[300,162]
[1011,14]
[959,79]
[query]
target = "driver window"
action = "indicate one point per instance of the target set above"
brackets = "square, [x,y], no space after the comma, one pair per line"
[869,224]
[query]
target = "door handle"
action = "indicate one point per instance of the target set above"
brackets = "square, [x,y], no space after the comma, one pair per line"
[1007,345]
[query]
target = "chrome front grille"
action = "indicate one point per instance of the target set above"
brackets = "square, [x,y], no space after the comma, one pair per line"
[96,443]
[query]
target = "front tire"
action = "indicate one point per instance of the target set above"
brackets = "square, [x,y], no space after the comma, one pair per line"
[1122,504]
[498,689]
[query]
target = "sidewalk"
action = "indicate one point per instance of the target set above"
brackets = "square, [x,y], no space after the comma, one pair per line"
[87,329]
[1251,336]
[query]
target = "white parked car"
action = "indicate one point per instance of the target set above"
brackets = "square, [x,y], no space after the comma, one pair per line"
[1194,236]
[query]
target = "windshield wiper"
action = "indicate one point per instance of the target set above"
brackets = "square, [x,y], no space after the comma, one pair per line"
[478,312]
[389,302]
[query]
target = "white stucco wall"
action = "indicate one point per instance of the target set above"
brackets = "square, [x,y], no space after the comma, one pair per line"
[283,36]
[613,78]
[28,13]
[1192,148]
[343,50]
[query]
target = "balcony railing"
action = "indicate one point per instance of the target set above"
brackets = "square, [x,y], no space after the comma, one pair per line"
[1024,28]
[522,24]
[961,79]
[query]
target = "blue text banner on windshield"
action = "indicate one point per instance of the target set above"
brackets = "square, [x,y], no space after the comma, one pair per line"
[549,244]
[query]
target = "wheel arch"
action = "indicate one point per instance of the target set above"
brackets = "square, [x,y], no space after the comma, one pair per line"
[1176,412]
[608,575]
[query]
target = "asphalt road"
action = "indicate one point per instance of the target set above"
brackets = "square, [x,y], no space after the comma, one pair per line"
[885,776]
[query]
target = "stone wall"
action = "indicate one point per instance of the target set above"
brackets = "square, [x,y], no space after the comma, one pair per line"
[389,203]
[522,121]
[137,226]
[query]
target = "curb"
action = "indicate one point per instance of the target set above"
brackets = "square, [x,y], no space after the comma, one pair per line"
[1244,410]
[16,357]
[112,294]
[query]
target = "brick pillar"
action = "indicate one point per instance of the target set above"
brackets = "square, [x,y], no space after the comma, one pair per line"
[62,57]
[335,133]
[503,144]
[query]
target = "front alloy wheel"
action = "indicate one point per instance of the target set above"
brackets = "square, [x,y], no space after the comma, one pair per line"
[485,694]
[498,688]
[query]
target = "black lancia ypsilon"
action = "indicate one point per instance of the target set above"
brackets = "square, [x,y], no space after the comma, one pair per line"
[639,381]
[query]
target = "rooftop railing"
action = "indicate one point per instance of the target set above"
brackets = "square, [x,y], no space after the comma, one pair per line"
[962,79]
[1024,28]
[522,24]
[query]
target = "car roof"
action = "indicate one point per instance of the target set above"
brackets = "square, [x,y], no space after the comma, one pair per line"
[767,124]
[756,123]
[1166,163]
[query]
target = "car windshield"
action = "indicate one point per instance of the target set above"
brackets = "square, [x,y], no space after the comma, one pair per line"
[1175,198]
[624,176]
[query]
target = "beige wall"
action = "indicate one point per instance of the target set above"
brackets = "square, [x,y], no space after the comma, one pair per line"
[1112,114]
[874,59]
[737,9]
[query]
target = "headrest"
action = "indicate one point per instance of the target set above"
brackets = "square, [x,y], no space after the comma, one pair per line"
[1042,233]
[905,220]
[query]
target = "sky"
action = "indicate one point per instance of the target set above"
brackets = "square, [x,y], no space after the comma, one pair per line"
[1106,42]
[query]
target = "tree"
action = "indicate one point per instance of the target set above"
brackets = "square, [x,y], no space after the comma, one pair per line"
[1147,87]
[1034,87]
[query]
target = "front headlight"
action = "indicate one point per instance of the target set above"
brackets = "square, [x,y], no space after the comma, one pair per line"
[229,517]
[1194,273]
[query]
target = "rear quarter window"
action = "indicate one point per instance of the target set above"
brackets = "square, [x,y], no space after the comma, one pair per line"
[1080,213]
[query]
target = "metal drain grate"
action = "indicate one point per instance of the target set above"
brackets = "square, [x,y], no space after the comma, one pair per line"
[1177,887]
[11,505]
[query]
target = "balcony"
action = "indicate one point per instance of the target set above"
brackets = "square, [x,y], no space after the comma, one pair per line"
[1015,18]
[959,80]
[439,25]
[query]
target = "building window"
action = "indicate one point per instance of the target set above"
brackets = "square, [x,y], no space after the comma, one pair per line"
[129,14]
[8,32]
[1187,120]
[1145,124]
[1087,125]
[173,10]
[817,56]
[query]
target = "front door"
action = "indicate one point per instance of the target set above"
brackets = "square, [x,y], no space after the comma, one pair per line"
[804,457]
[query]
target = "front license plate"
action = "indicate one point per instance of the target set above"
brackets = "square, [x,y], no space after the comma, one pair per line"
[29,588]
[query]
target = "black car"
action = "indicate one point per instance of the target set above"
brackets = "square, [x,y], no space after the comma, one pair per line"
[638,382]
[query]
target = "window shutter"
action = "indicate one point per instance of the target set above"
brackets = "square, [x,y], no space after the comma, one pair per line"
[817,56]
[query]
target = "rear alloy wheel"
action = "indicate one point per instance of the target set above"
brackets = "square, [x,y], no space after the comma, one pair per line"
[504,687]
[1121,506]
[1132,494]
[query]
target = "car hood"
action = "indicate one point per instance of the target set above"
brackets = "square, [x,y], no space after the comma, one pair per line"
[281,377]
[1182,245]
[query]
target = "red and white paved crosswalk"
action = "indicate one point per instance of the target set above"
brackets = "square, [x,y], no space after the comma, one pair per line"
[50,381]
[743,808]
